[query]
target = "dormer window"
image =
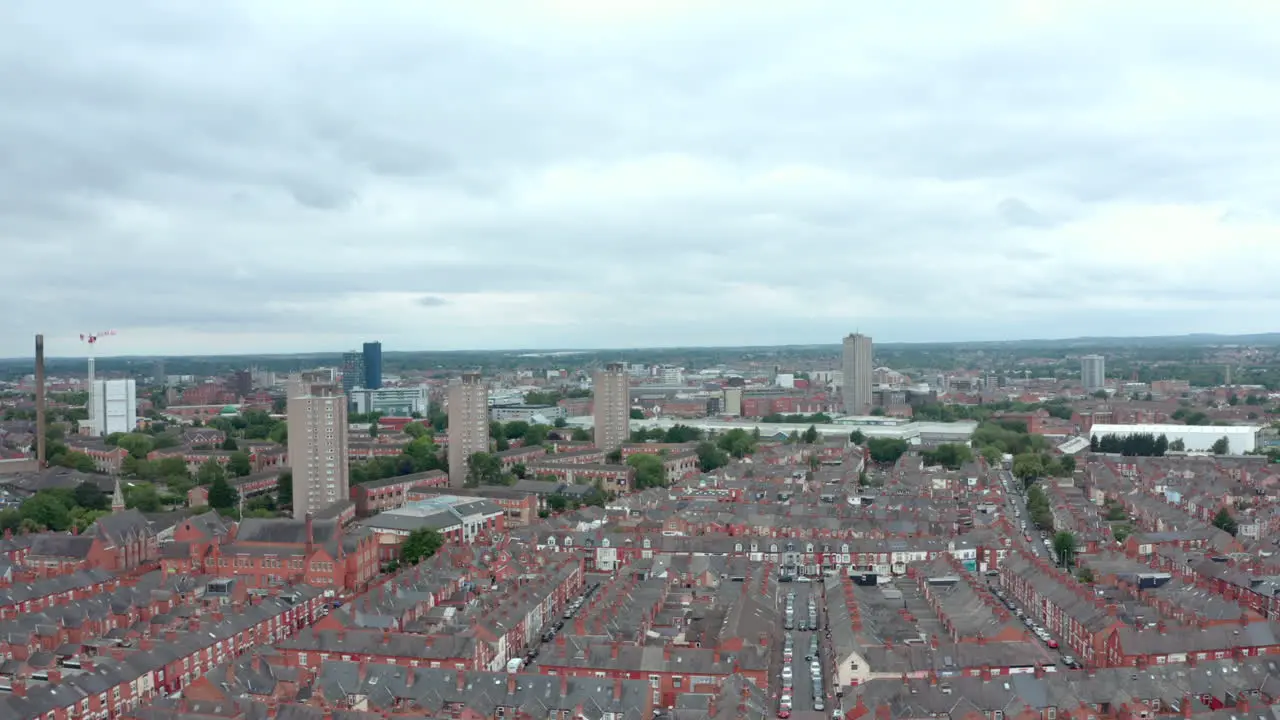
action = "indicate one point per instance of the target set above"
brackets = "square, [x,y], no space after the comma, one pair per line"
[737,547]
[604,542]
[648,543]
[568,541]
[773,548]
[808,547]
[551,540]
[755,547]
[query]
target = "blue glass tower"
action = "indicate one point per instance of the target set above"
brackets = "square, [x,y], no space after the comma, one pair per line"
[372,365]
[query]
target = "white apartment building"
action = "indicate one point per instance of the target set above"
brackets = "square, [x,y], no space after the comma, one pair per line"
[1093,372]
[113,407]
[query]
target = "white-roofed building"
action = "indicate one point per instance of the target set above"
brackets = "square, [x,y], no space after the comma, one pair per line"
[1196,438]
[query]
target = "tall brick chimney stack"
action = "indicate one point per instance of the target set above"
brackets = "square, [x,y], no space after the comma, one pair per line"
[40,403]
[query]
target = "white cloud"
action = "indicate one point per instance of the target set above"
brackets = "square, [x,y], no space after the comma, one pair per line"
[288,176]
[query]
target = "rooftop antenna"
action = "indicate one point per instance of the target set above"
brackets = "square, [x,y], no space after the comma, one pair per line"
[92,339]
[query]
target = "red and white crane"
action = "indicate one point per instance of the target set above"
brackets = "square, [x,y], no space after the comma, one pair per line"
[92,339]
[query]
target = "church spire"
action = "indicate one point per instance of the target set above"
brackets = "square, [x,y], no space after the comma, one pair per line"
[117,498]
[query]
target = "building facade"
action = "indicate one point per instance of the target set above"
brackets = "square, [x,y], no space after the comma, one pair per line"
[318,450]
[372,365]
[352,371]
[612,410]
[114,407]
[391,401]
[468,401]
[1093,372]
[858,370]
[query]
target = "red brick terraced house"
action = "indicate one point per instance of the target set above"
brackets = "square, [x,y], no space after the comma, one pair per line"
[393,492]
[110,686]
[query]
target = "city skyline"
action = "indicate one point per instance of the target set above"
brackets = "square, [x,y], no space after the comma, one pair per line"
[1008,163]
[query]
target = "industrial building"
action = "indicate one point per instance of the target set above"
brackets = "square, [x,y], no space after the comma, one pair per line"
[113,407]
[532,414]
[915,433]
[391,401]
[1197,438]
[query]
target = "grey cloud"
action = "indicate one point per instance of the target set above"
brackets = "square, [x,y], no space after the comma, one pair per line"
[1018,213]
[158,148]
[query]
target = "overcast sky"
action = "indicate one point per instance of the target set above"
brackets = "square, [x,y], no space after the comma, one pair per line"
[280,176]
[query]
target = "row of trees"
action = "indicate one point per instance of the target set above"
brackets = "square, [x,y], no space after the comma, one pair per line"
[1149,445]
[951,456]
[58,510]
[1038,508]
[1029,466]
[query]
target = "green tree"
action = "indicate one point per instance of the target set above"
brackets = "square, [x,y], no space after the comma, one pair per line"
[1028,466]
[857,437]
[557,503]
[239,464]
[519,470]
[561,422]
[47,510]
[77,461]
[992,455]
[649,471]
[536,435]
[952,456]
[373,429]
[142,496]
[886,450]
[1100,394]
[811,435]
[1085,575]
[484,469]
[1223,521]
[681,434]
[137,444]
[171,467]
[420,545]
[1067,464]
[1064,545]
[209,471]
[415,430]
[515,429]
[230,444]
[580,435]
[221,495]
[711,457]
[637,414]
[284,489]
[89,496]
[613,457]
[737,443]
[1178,445]
[1221,446]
